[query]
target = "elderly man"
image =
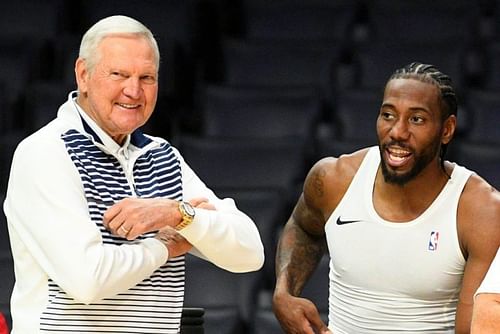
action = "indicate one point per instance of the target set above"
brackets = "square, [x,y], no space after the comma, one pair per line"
[101,215]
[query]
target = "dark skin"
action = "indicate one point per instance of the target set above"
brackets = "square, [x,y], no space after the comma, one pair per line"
[410,123]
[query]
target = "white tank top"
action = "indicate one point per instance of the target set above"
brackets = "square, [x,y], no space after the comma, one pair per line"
[394,277]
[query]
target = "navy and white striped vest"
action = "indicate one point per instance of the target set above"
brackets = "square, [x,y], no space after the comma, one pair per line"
[155,304]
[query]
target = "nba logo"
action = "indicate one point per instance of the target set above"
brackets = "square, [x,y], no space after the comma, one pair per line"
[433,241]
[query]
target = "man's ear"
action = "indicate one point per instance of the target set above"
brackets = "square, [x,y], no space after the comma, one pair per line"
[82,75]
[449,127]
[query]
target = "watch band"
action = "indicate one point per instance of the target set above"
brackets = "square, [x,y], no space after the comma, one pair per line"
[187,213]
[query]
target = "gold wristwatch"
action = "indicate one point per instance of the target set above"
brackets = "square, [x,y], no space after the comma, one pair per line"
[187,212]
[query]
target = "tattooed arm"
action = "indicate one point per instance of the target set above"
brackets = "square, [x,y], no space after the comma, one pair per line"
[301,246]
[303,242]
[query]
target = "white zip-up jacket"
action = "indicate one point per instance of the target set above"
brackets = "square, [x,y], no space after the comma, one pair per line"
[72,275]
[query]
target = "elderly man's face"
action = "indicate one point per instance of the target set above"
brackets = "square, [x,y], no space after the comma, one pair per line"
[120,92]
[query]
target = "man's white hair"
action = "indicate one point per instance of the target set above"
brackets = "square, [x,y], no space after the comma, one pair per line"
[113,26]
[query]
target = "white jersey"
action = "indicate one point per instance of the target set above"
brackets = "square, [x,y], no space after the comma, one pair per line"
[390,277]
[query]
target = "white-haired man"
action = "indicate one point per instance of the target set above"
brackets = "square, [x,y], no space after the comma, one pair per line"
[101,215]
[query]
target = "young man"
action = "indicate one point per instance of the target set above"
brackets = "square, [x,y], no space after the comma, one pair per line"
[410,235]
[101,215]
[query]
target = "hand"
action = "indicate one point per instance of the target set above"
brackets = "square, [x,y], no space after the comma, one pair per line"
[298,315]
[132,217]
[176,244]
[202,203]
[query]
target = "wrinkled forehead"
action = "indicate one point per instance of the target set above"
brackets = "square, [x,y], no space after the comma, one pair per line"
[113,40]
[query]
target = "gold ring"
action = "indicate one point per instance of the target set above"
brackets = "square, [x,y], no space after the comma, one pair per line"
[124,229]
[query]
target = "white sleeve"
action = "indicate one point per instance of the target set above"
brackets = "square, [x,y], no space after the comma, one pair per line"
[46,206]
[491,282]
[227,237]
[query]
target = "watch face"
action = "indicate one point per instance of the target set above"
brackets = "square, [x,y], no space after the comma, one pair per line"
[188,209]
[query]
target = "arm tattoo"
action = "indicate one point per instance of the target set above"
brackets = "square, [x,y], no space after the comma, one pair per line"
[303,241]
[318,181]
[298,255]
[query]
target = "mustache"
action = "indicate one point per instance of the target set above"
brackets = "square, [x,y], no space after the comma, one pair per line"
[396,143]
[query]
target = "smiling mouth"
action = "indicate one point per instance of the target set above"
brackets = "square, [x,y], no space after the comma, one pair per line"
[397,156]
[128,105]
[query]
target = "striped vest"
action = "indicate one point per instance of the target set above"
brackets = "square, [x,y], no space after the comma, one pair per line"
[155,304]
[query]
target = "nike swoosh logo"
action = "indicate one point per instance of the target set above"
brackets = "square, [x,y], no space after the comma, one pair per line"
[343,222]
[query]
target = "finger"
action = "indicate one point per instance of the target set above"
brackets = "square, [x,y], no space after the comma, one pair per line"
[133,233]
[123,231]
[316,321]
[110,214]
[197,201]
[114,224]
[206,206]
[306,328]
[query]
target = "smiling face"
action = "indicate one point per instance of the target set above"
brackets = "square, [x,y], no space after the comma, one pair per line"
[410,129]
[120,92]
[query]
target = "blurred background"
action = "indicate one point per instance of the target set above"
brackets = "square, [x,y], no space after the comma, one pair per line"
[253,92]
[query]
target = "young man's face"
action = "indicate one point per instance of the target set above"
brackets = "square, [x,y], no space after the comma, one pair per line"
[409,128]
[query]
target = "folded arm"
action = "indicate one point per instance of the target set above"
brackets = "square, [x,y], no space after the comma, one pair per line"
[54,235]
[220,232]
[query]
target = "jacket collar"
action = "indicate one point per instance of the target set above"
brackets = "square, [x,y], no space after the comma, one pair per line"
[73,113]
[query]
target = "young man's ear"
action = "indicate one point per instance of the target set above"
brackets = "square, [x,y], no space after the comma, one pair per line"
[450,124]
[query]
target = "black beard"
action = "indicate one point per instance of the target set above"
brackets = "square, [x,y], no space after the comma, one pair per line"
[421,161]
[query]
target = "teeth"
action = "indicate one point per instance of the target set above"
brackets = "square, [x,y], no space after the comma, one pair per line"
[398,152]
[396,158]
[128,106]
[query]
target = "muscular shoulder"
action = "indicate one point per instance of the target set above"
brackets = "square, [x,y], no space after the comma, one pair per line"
[480,198]
[328,180]
[479,212]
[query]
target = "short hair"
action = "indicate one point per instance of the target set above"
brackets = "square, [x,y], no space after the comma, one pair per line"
[430,74]
[113,26]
